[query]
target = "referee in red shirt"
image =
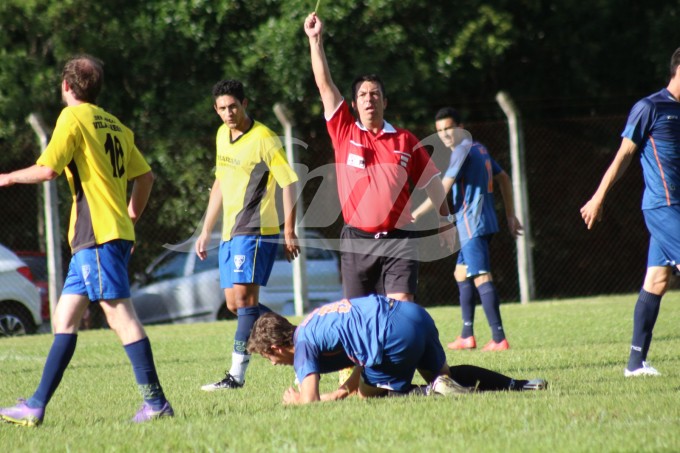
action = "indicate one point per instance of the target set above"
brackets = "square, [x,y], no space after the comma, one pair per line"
[376,166]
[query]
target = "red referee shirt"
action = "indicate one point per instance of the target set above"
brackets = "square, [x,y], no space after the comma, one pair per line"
[375,172]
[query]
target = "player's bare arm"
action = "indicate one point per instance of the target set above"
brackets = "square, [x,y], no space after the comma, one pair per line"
[505,185]
[309,391]
[211,216]
[291,248]
[437,196]
[349,387]
[141,190]
[30,175]
[330,95]
[592,210]
[426,205]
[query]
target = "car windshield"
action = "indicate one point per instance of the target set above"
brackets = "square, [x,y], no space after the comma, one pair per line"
[209,263]
[170,266]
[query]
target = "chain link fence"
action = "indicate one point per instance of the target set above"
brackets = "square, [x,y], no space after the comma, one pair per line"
[565,157]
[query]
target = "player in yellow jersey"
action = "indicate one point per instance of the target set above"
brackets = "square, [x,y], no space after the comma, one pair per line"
[250,163]
[99,156]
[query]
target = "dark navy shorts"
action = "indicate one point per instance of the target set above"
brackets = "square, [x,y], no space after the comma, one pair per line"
[475,255]
[664,226]
[411,343]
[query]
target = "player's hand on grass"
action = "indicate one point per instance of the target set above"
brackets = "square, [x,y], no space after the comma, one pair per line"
[291,396]
[591,212]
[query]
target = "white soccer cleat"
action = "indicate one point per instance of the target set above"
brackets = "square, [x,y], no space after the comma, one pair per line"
[645,370]
[446,386]
[536,384]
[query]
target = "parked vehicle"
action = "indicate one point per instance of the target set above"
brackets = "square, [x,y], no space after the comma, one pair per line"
[19,297]
[37,262]
[177,287]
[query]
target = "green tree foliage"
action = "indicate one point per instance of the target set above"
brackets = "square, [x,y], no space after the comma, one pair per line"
[163,56]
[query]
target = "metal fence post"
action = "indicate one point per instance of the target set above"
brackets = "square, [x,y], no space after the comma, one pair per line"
[300,264]
[52,229]
[525,265]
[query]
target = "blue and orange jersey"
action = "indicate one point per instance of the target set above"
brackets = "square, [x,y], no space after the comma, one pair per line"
[654,126]
[472,191]
[341,333]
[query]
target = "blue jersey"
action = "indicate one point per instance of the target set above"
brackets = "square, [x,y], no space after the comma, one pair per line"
[472,191]
[654,126]
[340,330]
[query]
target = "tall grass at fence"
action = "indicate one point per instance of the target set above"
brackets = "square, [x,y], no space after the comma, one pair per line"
[580,346]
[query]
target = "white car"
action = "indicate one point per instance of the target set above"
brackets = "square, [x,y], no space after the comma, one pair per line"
[178,287]
[19,297]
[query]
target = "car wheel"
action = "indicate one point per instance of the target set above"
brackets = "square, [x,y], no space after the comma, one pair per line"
[224,313]
[15,320]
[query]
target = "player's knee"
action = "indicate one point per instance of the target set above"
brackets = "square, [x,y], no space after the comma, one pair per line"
[657,280]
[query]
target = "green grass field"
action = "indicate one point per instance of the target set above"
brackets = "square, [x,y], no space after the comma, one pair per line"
[579,345]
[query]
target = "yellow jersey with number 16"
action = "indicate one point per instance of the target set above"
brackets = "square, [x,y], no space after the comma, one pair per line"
[99,155]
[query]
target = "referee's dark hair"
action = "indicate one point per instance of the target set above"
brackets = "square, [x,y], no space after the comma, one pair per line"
[675,62]
[448,112]
[367,78]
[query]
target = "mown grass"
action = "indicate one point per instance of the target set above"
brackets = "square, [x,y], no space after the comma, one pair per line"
[579,345]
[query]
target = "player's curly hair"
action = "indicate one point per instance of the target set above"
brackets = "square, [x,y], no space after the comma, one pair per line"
[85,76]
[229,88]
[269,330]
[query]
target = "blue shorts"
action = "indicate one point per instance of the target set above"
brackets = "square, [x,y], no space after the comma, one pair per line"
[411,343]
[247,259]
[664,226]
[100,272]
[475,255]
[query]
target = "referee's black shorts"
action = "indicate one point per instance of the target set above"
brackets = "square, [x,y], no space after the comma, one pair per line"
[382,263]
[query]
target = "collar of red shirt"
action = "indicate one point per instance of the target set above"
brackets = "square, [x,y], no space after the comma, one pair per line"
[387,127]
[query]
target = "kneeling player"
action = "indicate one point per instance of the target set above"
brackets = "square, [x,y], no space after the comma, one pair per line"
[387,341]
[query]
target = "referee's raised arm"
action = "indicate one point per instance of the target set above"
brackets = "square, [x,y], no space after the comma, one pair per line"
[330,95]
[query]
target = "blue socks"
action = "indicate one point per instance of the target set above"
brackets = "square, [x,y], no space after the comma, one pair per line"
[492,309]
[240,357]
[141,358]
[59,357]
[467,307]
[263,309]
[246,318]
[644,318]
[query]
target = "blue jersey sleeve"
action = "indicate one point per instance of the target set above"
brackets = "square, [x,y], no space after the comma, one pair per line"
[458,156]
[639,122]
[306,359]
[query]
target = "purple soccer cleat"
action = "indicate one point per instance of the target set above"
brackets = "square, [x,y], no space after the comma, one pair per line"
[147,413]
[22,415]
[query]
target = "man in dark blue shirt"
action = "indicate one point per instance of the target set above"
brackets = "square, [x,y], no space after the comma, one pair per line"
[653,127]
[470,177]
